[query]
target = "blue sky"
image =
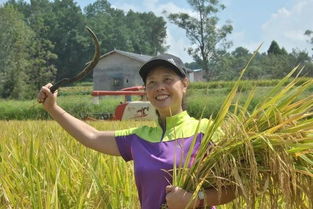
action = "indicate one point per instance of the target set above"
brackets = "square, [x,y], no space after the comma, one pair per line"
[254,22]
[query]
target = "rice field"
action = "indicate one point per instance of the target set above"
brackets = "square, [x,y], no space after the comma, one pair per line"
[43,167]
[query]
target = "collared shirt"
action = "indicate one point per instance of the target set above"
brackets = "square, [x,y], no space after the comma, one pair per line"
[154,152]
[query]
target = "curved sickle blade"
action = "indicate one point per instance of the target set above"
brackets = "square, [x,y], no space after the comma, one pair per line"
[91,65]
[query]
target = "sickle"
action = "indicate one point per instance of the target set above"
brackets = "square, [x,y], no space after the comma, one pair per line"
[90,65]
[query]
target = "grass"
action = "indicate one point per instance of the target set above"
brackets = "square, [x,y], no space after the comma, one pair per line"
[207,102]
[78,101]
[81,105]
[77,105]
[246,84]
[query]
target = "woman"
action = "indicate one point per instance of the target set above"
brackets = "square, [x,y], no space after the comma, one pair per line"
[154,150]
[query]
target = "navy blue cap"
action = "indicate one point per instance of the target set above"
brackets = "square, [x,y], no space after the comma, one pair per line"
[171,61]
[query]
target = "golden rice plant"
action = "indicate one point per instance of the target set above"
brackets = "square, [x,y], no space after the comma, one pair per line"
[42,167]
[266,154]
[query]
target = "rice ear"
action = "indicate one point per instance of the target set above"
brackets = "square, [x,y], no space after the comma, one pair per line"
[266,154]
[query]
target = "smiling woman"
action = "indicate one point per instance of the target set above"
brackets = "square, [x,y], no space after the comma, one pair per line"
[166,82]
[155,151]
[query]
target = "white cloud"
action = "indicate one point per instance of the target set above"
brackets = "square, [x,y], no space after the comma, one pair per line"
[170,7]
[126,7]
[150,4]
[287,26]
[240,39]
[178,43]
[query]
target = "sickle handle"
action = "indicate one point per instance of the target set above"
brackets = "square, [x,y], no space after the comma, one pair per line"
[58,84]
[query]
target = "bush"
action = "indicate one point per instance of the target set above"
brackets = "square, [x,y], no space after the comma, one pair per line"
[78,106]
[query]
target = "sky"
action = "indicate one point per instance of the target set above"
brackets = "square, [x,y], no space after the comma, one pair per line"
[254,22]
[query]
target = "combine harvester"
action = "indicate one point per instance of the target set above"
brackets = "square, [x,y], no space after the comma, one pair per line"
[128,110]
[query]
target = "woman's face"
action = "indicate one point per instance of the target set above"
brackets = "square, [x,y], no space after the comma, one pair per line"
[165,90]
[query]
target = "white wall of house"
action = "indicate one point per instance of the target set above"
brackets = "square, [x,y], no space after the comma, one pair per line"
[116,71]
[191,76]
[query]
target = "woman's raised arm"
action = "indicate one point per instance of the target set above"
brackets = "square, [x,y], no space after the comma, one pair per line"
[102,141]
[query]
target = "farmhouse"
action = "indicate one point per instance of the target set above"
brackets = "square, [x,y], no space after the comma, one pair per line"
[119,69]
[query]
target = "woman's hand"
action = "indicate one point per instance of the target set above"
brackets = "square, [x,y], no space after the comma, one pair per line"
[46,97]
[178,198]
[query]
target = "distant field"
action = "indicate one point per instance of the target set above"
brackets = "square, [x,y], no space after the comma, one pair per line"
[203,97]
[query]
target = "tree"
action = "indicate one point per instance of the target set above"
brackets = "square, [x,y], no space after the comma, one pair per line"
[274,49]
[59,27]
[67,33]
[142,33]
[208,38]
[99,7]
[302,58]
[232,63]
[37,16]
[310,34]
[193,65]
[241,52]
[15,40]
[147,32]
[43,69]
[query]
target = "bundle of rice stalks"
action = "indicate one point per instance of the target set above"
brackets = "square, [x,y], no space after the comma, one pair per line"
[265,154]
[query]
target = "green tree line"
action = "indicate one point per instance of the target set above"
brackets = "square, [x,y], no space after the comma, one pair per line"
[273,64]
[43,41]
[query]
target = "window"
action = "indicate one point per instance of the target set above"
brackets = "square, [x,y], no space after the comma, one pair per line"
[117,82]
